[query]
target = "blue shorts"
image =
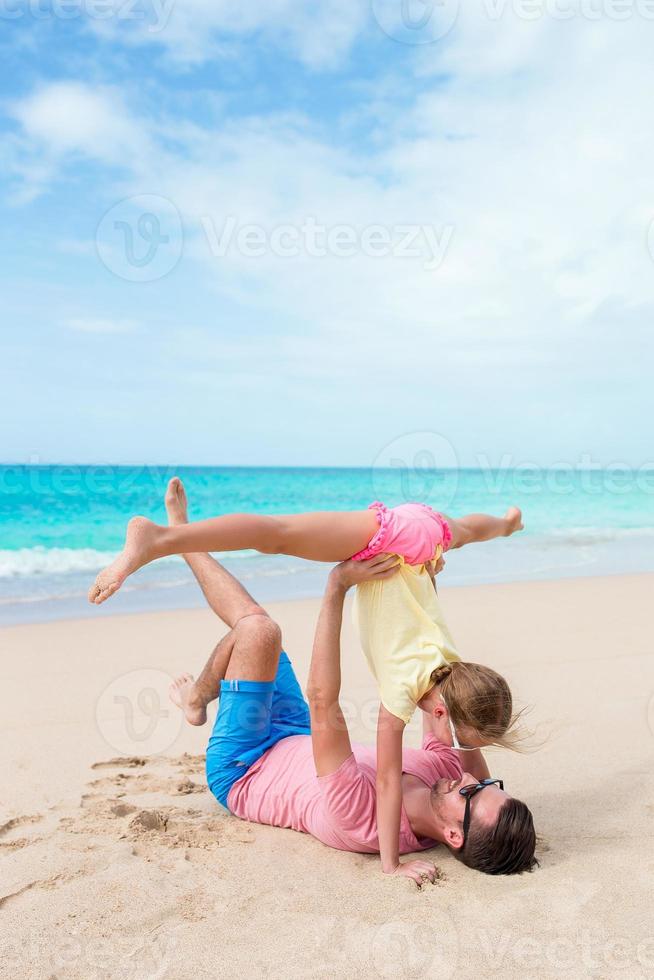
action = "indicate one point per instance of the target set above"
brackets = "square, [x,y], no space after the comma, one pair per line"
[252,717]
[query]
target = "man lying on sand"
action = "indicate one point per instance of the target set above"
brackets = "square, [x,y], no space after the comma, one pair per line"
[275,759]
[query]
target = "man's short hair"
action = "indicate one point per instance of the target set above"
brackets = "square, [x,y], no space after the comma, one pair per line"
[505,848]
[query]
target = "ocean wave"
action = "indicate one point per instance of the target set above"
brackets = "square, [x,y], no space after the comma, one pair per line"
[24,562]
[30,562]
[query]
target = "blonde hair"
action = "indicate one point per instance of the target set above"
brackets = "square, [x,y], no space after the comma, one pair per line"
[479,699]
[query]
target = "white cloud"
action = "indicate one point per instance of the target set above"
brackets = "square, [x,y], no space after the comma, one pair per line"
[548,195]
[73,117]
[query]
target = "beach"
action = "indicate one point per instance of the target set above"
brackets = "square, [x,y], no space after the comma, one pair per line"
[117,862]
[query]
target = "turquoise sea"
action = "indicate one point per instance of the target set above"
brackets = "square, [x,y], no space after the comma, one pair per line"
[60,524]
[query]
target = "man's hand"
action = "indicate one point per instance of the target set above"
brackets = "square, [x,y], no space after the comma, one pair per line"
[420,871]
[349,573]
[435,567]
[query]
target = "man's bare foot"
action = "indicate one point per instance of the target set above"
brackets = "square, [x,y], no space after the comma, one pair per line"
[182,693]
[176,502]
[138,551]
[513,518]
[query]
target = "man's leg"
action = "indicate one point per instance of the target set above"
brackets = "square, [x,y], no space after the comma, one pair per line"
[250,652]
[260,698]
[254,639]
[225,594]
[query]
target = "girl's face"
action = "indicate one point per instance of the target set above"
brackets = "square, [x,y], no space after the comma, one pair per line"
[459,737]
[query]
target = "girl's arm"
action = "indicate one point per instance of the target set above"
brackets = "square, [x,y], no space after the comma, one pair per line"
[474,763]
[389,788]
[390,730]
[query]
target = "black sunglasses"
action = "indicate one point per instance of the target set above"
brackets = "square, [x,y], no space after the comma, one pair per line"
[468,792]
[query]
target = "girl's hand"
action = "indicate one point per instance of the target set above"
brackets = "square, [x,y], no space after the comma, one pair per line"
[350,572]
[420,871]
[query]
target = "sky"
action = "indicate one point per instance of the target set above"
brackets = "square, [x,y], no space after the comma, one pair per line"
[290,233]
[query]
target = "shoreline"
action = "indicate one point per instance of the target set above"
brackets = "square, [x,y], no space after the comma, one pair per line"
[102,614]
[170,585]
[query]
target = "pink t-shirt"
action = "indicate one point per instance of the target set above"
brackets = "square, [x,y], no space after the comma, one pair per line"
[282,789]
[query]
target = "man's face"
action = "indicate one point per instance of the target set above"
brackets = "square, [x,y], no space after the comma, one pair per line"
[449,807]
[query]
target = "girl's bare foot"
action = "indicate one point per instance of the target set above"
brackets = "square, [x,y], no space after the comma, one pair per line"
[513,518]
[138,551]
[182,693]
[176,502]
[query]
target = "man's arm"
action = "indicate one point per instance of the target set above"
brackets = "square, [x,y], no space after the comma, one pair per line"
[433,569]
[329,734]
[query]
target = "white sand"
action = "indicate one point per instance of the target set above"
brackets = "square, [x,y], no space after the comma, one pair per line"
[131,869]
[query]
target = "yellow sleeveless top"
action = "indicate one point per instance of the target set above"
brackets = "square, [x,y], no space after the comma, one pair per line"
[404,636]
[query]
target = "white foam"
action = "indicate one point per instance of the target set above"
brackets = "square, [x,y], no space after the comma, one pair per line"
[24,562]
[29,562]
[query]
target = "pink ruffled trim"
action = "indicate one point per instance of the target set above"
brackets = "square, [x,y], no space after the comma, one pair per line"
[447,534]
[376,543]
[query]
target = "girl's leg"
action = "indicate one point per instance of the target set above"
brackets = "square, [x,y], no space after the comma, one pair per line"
[324,536]
[483,527]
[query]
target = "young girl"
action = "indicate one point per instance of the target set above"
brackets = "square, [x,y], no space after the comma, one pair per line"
[413,658]
[403,633]
[415,532]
